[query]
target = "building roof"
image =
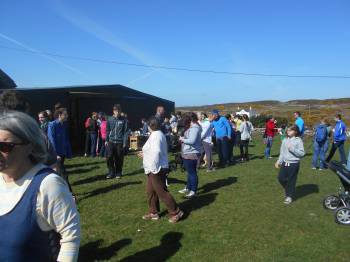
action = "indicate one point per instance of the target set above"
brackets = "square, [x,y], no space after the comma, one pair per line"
[5,81]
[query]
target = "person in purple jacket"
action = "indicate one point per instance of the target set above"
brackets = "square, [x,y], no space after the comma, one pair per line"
[58,135]
[339,137]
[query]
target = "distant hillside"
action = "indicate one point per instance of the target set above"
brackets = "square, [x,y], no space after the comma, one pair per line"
[312,109]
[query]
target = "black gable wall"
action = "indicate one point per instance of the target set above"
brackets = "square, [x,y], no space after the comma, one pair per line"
[81,101]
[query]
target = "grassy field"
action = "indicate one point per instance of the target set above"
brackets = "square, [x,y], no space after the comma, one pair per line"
[238,215]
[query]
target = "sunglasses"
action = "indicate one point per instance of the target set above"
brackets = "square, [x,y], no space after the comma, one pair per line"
[7,147]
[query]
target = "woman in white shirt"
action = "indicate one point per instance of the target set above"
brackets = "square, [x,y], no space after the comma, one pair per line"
[38,216]
[156,166]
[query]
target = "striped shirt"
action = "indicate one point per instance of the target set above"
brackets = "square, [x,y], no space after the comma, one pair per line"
[56,209]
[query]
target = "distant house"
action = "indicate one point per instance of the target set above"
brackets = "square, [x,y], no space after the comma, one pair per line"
[81,101]
[250,113]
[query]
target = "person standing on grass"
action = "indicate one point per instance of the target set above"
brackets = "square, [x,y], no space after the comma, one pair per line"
[300,123]
[238,121]
[222,130]
[116,142]
[156,166]
[231,142]
[270,131]
[39,220]
[91,135]
[103,134]
[320,145]
[58,136]
[43,121]
[339,138]
[160,116]
[207,143]
[144,129]
[190,152]
[292,150]
[246,130]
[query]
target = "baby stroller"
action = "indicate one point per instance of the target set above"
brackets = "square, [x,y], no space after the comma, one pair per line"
[340,203]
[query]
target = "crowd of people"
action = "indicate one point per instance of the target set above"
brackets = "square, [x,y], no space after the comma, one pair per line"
[37,206]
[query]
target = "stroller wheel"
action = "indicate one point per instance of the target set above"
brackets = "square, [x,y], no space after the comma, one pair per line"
[331,202]
[342,216]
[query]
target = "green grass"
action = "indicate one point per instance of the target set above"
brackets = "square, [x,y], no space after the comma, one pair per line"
[238,215]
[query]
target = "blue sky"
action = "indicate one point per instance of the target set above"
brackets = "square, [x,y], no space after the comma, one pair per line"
[272,37]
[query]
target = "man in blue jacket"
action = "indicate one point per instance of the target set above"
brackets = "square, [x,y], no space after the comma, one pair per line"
[223,131]
[339,137]
[300,123]
[58,135]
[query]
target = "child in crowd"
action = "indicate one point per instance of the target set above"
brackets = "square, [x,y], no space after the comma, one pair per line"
[292,150]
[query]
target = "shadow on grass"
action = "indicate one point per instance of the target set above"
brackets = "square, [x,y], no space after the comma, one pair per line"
[69,166]
[305,190]
[81,170]
[135,172]
[169,245]
[104,190]
[92,251]
[89,180]
[173,180]
[196,203]
[217,184]
[257,157]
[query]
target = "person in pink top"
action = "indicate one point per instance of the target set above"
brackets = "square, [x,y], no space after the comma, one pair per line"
[102,134]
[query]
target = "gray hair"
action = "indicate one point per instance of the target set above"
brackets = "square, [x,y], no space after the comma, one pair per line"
[27,130]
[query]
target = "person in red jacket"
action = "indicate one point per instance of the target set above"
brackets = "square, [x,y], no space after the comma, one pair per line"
[270,131]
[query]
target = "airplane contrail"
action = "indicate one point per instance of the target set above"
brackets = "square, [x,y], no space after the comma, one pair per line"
[14,41]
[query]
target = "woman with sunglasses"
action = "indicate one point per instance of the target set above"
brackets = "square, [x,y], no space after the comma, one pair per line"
[39,220]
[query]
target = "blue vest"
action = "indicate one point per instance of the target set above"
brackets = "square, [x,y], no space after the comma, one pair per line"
[21,239]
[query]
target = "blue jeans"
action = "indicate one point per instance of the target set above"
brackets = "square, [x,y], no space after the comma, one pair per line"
[269,141]
[93,140]
[222,144]
[192,177]
[320,150]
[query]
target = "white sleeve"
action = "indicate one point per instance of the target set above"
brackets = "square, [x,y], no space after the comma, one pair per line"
[56,207]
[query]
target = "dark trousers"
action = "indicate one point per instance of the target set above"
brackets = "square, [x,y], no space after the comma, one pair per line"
[335,146]
[156,189]
[90,143]
[222,148]
[231,144]
[102,149]
[243,147]
[115,157]
[192,177]
[61,170]
[288,177]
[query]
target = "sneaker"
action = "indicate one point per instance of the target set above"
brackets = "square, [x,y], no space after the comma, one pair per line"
[85,155]
[118,176]
[110,175]
[288,200]
[150,216]
[177,217]
[210,170]
[313,168]
[321,169]
[184,191]
[190,194]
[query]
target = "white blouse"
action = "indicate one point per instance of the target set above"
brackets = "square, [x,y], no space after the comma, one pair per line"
[155,153]
[56,209]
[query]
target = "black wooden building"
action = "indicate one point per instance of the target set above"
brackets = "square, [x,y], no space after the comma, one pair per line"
[82,100]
